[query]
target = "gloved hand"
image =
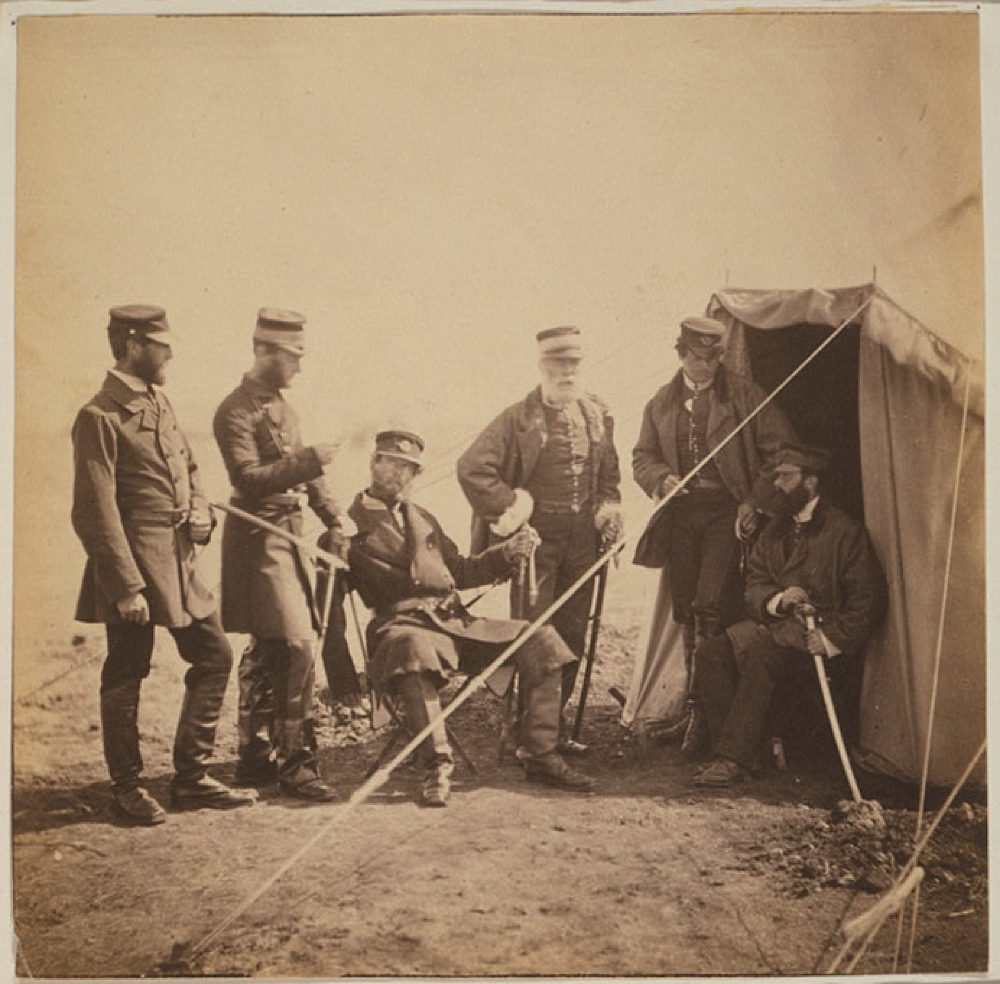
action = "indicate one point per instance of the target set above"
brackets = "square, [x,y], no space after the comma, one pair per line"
[200,527]
[335,541]
[747,519]
[669,483]
[791,598]
[520,545]
[610,524]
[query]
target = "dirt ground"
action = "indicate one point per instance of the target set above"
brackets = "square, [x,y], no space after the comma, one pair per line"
[646,876]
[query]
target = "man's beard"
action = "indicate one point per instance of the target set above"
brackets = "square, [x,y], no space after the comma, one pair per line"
[149,372]
[791,503]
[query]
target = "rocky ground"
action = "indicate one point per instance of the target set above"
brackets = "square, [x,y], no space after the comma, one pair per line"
[647,876]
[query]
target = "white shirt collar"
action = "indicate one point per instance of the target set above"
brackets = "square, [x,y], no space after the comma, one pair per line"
[806,512]
[132,382]
[692,385]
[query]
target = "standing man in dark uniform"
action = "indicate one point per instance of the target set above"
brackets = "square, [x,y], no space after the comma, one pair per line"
[140,513]
[408,572]
[813,558]
[549,461]
[697,534]
[267,581]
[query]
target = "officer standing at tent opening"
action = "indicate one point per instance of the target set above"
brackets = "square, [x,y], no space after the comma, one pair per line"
[408,572]
[550,461]
[813,558]
[697,534]
[140,513]
[267,581]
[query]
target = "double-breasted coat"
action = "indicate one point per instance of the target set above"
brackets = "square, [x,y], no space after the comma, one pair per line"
[268,582]
[135,486]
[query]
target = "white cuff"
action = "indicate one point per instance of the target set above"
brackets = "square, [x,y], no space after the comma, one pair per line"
[516,515]
[772,605]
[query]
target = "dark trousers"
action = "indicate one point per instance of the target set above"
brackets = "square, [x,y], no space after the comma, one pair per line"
[703,556]
[568,548]
[277,678]
[735,695]
[204,646]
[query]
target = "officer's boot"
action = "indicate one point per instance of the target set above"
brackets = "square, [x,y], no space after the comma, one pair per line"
[697,738]
[256,764]
[421,705]
[298,765]
[192,788]
[120,733]
[540,730]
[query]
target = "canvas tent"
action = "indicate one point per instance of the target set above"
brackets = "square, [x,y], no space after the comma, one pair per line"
[895,404]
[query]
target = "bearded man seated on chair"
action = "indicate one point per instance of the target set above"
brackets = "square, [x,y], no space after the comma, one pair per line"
[409,573]
[813,558]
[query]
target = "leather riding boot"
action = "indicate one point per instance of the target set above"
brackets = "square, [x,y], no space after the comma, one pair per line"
[292,678]
[254,721]
[697,739]
[542,713]
[199,718]
[120,732]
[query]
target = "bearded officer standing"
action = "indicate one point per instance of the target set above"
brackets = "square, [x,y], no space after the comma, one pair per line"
[549,461]
[268,584]
[140,513]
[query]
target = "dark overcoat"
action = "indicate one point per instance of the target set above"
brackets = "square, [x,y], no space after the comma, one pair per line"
[505,454]
[135,486]
[409,577]
[732,399]
[835,563]
[267,582]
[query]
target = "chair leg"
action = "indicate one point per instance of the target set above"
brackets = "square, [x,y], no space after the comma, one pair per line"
[463,754]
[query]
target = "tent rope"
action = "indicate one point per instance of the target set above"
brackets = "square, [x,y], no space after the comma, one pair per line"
[944,600]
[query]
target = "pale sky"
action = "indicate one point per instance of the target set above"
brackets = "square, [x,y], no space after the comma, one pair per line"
[431,191]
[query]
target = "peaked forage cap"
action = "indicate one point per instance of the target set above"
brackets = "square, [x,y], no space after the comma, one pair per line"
[146,318]
[564,341]
[281,327]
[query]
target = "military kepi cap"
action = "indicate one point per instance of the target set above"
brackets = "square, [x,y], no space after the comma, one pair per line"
[563,342]
[704,335]
[810,459]
[404,445]
[141,319]
[281,328]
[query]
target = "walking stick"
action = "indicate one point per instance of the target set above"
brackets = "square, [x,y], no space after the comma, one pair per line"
[809,614]
[595,628]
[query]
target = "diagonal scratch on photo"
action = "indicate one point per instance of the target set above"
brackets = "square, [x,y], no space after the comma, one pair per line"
[498,491]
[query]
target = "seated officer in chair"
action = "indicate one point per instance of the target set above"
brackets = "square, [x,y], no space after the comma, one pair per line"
[408,572]
[813,558]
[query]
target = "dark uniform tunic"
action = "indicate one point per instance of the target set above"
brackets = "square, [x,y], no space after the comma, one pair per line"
[267,581]
[736,673]
[694,535]
[136,485]
[407,571]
